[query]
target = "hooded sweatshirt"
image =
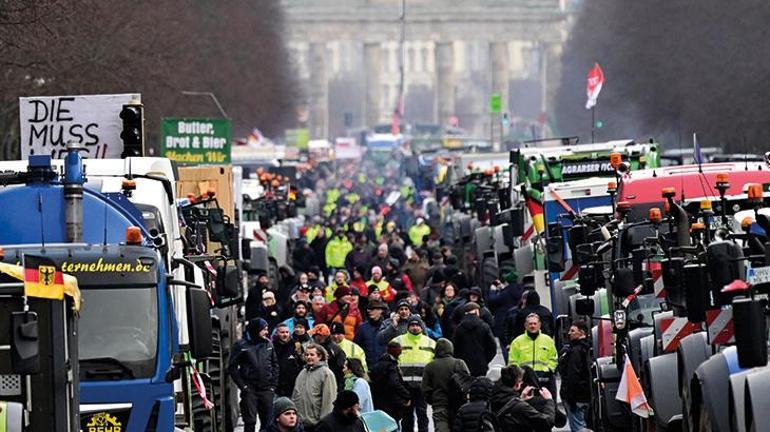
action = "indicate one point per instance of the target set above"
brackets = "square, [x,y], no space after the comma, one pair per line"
[314,393]
[437,377]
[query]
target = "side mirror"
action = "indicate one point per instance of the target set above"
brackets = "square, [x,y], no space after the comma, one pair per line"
[695,295]
[216,225]
[673,274]
[199,322]
[259,261]
[624,282]
[724,266]
[584,306]
[750,332]
[578,235]
[25,352]
[228,280]
[590,279]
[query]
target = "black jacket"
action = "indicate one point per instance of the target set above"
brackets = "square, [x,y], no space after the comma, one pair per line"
[575,372]
[474,343]
[254,301]
[499,302]
[289,365]
[470,416]
[254,364]
[336,361]
[501,395]
[303,259]
[337,422]
[520,416]
[366,338]
[389,392]
[270,314]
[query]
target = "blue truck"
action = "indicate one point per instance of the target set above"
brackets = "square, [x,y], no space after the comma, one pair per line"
[129,351]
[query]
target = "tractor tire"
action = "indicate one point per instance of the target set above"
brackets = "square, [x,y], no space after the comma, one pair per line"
[204,420]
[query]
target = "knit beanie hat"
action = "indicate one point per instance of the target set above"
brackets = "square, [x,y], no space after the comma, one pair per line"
[281,405]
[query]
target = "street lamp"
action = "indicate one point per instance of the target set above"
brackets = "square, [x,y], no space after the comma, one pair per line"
[209,94]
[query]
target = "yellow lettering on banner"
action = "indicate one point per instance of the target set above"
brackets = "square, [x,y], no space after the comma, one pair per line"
[100,266]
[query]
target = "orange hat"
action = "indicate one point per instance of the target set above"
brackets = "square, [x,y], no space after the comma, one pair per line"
[321,329]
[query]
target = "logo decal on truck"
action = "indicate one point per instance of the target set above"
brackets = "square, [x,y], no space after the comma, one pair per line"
[104,422]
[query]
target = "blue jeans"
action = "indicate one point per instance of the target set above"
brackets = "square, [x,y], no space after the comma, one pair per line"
[576,415]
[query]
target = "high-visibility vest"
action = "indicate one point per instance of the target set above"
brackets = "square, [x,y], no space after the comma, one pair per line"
[417,232]
[383,286]
[336,251]
[539,354]
[416,352]
[353,350]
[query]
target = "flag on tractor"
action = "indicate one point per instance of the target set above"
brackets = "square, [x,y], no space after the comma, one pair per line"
[535,207]
[42,278]
[630,391]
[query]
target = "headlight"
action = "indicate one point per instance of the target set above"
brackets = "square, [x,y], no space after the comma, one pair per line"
[620,319]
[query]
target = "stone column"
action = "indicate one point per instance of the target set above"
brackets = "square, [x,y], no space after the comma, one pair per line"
[373,83]
[499,65]
[445,82]
[318,92]
[550,75]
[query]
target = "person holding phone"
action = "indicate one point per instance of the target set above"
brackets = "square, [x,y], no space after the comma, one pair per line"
[519,415]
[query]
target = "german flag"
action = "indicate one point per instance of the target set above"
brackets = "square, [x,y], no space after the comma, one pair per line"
[42,279]
[535,208]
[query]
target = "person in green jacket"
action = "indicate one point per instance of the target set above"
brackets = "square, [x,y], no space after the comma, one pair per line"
[337,250]
[417,231]
[536,350]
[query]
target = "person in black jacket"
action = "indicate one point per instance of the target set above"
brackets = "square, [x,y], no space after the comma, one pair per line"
[366,334]
[253,367]
[531,304]
[574,363]
[518,415]
[254,297]
[500,299]
[290,354]
[475,412]
[389,390]
[503,390]
[474,341]
[345,417]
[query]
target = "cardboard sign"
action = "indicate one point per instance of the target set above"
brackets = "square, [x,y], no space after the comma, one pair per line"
[48,123]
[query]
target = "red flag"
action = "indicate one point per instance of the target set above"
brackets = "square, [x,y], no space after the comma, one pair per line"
[594,85]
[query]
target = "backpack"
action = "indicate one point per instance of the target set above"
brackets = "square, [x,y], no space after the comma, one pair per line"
[460,383]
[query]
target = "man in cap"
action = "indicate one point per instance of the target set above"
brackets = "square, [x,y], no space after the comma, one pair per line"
[253,367]
[335,356]
[345,415]
[316,387]
[417,351]
[344,310]
[474,341]
[286,419]
[351,349]
[389,390]
[397,324]
[366,334]
[300,308]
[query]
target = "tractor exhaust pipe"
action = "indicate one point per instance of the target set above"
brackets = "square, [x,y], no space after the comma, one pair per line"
[74,177]
[682,225]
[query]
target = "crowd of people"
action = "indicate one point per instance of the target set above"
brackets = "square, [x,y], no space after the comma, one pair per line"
[375,312]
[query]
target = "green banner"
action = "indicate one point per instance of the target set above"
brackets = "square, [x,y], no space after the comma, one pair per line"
[196,140]
[297,138]
[495,103]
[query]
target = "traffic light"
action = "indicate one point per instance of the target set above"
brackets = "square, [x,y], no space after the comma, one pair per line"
[132,135]
[599,124]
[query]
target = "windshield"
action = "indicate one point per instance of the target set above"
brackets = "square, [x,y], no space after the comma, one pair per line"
[118,333]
